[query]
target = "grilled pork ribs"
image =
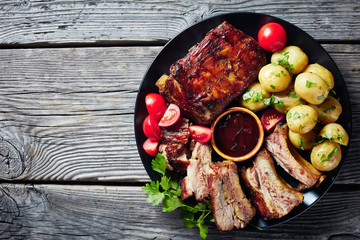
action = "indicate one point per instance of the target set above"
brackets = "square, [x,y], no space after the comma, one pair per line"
[213,73]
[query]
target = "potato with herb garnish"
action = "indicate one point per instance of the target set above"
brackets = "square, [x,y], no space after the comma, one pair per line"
[274,78]
[292,57]
[311,88]
[326,155]
[287,99]
[335,133]
[328,111]
[302,141]
[301,119]
[254,96]
[322,72]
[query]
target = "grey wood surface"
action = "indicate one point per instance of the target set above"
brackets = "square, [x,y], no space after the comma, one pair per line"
[69,76]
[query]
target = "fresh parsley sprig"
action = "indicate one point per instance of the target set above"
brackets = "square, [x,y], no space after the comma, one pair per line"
[168,191]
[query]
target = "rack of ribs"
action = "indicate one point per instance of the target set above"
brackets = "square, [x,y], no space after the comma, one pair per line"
[229,204]
[213,73]
[290,160]
[272,197]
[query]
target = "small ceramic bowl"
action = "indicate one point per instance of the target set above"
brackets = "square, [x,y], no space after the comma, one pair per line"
[259,140]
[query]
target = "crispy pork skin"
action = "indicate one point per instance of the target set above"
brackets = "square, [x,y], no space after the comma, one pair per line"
[272,197]
[229,204]
[196,183]
[213,73]
[289,159]
[173,145]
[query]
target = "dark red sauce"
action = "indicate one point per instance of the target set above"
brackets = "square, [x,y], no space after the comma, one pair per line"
[236,134]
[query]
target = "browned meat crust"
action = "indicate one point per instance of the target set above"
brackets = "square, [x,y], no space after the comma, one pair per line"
[213,73]
[272,197]
[196,183]
[173,145]
[229,204]
[286,156]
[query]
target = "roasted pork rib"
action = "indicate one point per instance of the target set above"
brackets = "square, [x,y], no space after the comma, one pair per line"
[213,73]
[196,182]
[272,197]
[173,145]
[289,159]
[229,204]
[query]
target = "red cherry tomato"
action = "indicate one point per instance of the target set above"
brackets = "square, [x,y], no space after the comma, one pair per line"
[151,129]
[171,116]
[271,118]
[155,105]
[272,37]
[151,147]
[200,134]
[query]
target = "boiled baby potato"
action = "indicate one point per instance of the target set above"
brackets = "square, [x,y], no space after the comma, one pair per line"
[252,98]
[328,111]
[287,99]
[274,78]
[322,72]
[326,156]
[311,88]
[297,59]
[301,119]
[336,133]
[302,141]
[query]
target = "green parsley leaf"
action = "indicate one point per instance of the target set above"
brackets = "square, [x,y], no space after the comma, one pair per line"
[310,84]
[159,164]
[272,86]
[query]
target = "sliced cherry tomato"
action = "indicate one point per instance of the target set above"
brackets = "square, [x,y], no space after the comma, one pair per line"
[271,118]
[151,128]
[155,105]
[200,134]
[171,116]
[151,147]
[272,37]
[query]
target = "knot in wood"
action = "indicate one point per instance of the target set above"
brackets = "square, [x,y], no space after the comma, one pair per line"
[11,164]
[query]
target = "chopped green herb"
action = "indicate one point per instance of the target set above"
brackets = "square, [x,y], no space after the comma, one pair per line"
[327,82]
[283,73]
[296,115]
[332,92]
[329,157]
[310,84]
[289,115]
[277,75]
[329,109]
[320,97]
[272,86]
[301,144]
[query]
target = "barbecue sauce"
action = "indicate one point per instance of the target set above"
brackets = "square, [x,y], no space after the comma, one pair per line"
[237,134]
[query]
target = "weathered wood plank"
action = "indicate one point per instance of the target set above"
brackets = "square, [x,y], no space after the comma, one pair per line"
[106,212]
[120,22]
[69,112]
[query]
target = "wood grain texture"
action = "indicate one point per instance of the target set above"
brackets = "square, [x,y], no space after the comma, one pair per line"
[71,122]
[98,212]
[42,22]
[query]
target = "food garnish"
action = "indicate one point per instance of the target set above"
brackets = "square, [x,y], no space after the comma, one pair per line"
[167,191]
[272,37]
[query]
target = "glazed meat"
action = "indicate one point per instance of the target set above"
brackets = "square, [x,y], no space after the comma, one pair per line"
[173,145]
[289,159]
[229,204]
[272,197]
[196,183]
[213,73]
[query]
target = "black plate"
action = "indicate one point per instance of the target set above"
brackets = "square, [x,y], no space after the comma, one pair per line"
[250,23]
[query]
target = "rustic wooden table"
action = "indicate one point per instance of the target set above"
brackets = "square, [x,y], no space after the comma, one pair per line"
[70,72]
